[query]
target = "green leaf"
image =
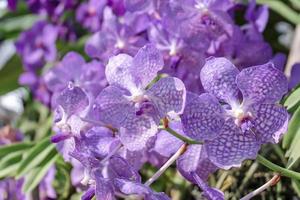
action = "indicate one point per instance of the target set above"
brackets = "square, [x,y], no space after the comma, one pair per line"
[9,163]
[294,151]
[9,170]
[7,149]
[35,156]
[296,186]
[37,174]
[62,182]
[293,99]
[11,26]
[9,75]
[293,127]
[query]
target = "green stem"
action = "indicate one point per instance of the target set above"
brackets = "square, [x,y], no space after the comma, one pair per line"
[282,9]
[276,168]
[260,159]
[181,137]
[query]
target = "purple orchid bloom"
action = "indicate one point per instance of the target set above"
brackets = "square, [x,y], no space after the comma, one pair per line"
[127,103]
[196,19]
[90,14]
[53,8]
[117,6]
[181,60]
[234,132]
[12,4]
[116,36]
[73,70]
[37,45]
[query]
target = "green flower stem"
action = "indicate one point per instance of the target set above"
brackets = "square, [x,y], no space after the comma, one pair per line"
[276,168]
[181,137]
[282,9]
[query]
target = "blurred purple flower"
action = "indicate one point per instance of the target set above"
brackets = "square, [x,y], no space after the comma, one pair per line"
[90,14]
[116,36]
[37,45]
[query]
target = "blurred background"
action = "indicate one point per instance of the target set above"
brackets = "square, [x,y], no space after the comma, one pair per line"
[20,112]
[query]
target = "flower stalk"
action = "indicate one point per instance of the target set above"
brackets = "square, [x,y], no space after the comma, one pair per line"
[273,181]
[180,151]
[276,168]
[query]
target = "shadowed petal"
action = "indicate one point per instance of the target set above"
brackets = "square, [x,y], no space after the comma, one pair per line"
[262,83]
[195,160]
[167,144]
[232,146]
[137,5]
[122,169]
[72,100]
[104,189]
[208,192]
[129,187]
[218,77]
[202,117]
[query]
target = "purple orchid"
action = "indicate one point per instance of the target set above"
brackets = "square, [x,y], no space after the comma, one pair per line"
[116,36]
[196,19]
[234,131]
[90,14]
[37,45]
[75,71]
[74,84]
[127,103]
[53,8]
[181,60]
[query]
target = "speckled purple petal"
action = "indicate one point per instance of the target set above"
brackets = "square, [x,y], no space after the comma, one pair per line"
[135,158]
[262,83]
[218,77]
[195,160]
[72,100]
[122,169]
[146,63]
[165,139]
[104,189]
[130,187]
[168,94]
[202,118]
[136,132]
[232,146]
[270,122]
[110,107]
[208,192]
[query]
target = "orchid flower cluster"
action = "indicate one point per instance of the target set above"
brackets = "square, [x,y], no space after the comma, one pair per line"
[167,80]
